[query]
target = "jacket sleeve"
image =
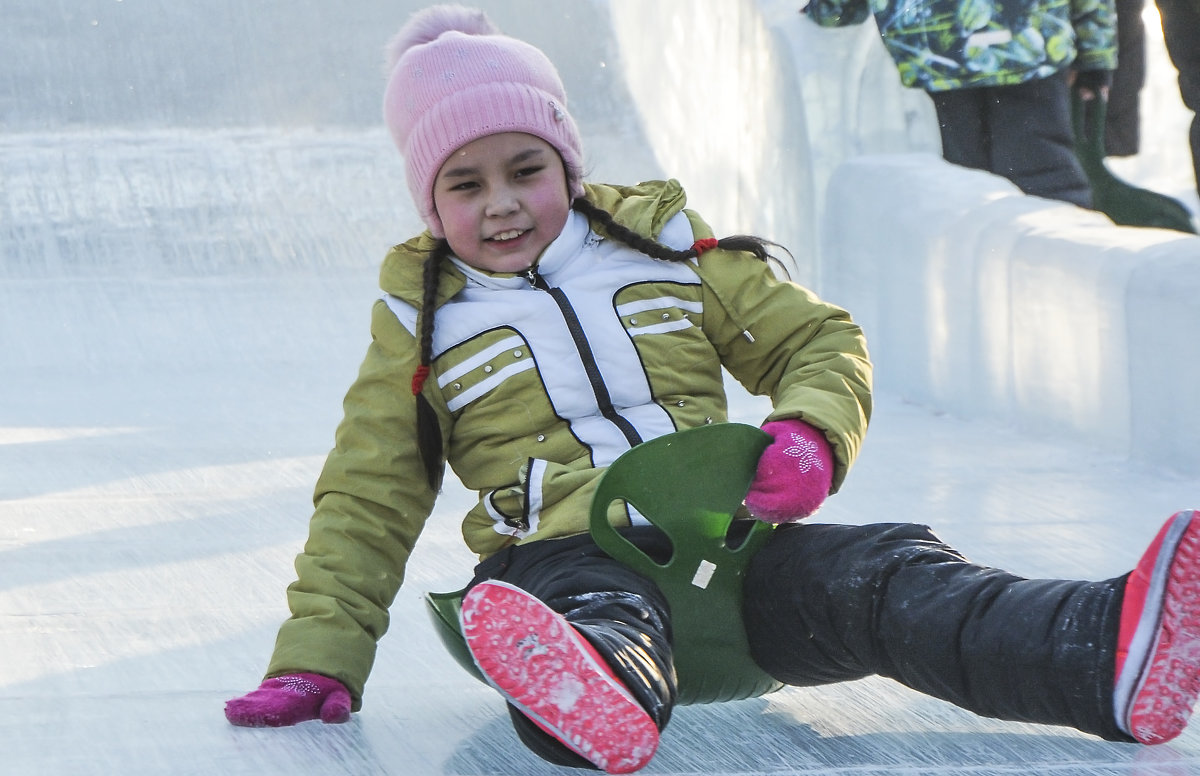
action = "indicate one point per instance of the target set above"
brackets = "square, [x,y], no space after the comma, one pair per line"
[1095,23]
[838,13]
[779,340]
[371,503]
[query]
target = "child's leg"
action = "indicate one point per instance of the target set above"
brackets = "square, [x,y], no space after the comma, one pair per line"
[623,657]
[965,139]
[1033,139]
[826,603]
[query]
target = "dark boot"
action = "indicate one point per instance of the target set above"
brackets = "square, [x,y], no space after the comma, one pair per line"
[621,615]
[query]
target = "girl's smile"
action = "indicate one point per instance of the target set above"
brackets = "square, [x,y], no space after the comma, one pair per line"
[502,199]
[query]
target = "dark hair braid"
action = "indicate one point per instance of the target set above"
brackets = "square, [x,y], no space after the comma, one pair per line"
[656,250]
[429,431]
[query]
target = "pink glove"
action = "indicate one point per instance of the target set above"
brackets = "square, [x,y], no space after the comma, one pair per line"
[286,700]
[794,473]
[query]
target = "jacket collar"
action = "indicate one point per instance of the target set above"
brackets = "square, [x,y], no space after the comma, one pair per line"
[554,259]
[645,208]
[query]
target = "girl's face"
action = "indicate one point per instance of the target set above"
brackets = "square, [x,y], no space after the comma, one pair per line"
[502,199]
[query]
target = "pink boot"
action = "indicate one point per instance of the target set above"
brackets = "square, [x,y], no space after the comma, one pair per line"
[1158,648]
[541,664]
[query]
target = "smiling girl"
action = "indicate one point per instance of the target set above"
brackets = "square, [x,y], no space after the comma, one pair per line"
[540,328]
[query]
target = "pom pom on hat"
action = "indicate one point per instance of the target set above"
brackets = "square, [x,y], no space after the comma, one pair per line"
[427,25]
[454,78]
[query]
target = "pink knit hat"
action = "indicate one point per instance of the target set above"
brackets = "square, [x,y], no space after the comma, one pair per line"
[453,79]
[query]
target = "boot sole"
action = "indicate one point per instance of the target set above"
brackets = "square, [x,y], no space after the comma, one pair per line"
[1169,632]
[541,664]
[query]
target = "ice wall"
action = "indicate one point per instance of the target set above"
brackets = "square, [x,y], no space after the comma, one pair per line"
[976,299]
[716,93]
[752,107]
[146,146]
[981,301]
[132,64]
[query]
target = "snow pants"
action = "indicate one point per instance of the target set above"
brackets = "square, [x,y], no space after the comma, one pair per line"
[1022,132]
[828,603]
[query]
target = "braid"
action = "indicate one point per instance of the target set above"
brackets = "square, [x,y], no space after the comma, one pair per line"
[429,431]
[656,250]
[431,272]
[624,234]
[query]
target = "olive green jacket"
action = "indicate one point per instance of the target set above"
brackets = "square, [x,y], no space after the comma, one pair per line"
[526,425]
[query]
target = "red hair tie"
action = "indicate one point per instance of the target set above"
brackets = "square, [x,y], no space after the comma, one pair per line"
[419,378]
[705,244]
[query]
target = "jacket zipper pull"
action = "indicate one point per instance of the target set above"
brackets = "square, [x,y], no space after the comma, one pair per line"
[534,278]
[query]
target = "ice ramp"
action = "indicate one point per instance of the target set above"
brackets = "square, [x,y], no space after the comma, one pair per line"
[182,305]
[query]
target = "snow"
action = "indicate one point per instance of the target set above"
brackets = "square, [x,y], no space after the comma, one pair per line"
[195,201]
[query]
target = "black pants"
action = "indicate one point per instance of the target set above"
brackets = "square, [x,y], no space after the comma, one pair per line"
[1122,126]
[1181,31]
[1022,132]
[829,603]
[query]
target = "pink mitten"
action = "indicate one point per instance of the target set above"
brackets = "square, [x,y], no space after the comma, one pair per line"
[794,473]
[286,700]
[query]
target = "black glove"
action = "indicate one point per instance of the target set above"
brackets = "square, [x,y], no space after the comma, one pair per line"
[1095,82]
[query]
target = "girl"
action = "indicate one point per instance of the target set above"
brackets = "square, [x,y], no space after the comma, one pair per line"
[541,327]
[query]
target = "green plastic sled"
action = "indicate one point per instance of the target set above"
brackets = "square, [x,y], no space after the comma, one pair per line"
[689,484]
[1123,203]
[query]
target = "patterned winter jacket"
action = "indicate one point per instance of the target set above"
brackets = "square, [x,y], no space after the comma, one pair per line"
[939,45]
[537,389]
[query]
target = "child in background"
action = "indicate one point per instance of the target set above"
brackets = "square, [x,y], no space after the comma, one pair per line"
[543,326]
[999,74]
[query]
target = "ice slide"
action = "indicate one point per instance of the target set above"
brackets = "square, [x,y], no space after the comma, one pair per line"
[194,201]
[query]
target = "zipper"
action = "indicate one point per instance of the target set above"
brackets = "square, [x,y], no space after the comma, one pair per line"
[584,349]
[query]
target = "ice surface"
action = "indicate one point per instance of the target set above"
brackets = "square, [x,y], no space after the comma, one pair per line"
[194,199]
